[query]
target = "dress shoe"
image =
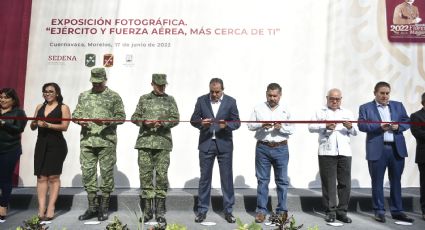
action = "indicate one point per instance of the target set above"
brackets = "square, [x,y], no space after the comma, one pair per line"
[229,218]
[260,217]
[200,217]
[402,217]
[330,218]
[344,218]
[380,218]
[2,217]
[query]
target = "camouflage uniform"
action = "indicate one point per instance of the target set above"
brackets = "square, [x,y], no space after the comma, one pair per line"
[154,144]
[98,142]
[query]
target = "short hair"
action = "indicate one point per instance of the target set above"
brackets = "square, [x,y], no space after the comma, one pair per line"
[217,80]
[57,89]
[274,86]
[334,90]
[380,85]
[11,93]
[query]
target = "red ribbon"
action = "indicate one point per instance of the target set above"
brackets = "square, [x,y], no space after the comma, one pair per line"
[214,121]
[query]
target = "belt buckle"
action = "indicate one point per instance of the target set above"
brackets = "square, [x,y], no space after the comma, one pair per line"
[273,144]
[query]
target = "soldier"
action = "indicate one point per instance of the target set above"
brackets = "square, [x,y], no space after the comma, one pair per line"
[156,113]
[98,141]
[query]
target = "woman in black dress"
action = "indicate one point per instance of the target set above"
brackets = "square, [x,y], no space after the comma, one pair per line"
[50,149]
[10,143]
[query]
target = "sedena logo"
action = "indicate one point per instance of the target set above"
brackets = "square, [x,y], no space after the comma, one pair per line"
[61,59]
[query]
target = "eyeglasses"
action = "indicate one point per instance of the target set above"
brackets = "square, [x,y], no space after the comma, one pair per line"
[48,92]
[334,98]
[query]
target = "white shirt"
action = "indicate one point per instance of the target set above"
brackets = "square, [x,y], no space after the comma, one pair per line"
[263,112]
[333,142]
[384,113]
[215,105]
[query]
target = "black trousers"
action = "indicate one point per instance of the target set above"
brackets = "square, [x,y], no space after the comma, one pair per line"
[335,174]
[421,167]
[7,165]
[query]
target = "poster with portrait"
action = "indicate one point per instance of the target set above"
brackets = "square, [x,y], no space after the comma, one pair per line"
[405,20]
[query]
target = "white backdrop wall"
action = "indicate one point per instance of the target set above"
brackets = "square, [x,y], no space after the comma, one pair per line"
[306,46]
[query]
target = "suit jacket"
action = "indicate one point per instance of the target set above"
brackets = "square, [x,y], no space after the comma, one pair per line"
[375,134]
[419,134]
[227,111]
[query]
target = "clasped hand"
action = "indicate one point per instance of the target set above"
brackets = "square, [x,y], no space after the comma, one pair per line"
[206,123]
[389,126]
[275,125]
[152,124]
[41,124]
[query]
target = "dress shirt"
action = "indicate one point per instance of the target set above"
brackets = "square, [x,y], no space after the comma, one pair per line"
[263,112]
[215,105]
[384,113]
[333,142]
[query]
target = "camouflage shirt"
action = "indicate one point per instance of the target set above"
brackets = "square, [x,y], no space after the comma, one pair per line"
[153,107]
[104,105]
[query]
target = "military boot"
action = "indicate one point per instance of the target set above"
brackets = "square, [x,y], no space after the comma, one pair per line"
[160,211]
[93,207]
[104,207]
[147,205]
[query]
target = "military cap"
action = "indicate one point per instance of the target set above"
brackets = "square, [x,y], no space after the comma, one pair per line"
[98,75]
[159,78]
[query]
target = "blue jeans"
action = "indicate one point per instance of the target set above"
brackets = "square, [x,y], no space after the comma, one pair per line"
[265,157]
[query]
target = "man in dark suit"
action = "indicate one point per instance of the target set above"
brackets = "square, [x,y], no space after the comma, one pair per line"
[384,122]
[216,116]
[418,132]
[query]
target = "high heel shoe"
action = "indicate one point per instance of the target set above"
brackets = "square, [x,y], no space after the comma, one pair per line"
[49,218]
[3,217]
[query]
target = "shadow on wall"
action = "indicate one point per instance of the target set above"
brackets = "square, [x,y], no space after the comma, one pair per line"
[191,186]
[192,183]
[240,182]
[77,181]
[316,183]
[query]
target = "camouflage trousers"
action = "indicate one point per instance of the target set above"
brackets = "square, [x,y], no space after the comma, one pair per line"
[153,164]
[89,158]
